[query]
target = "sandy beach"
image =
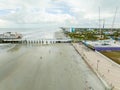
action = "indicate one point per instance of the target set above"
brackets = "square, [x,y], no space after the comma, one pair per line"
[48,67]
[106,68]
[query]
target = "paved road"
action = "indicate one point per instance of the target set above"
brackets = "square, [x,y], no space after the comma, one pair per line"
[52,67]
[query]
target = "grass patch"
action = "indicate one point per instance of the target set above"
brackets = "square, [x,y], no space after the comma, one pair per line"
[114,55]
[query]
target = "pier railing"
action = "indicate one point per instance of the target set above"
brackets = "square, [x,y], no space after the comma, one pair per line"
[39,41]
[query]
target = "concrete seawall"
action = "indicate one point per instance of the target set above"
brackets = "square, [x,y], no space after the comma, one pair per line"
[85,58]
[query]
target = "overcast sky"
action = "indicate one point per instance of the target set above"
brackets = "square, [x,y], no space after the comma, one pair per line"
[72,13]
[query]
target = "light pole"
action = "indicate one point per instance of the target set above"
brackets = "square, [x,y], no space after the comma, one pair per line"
[97,64]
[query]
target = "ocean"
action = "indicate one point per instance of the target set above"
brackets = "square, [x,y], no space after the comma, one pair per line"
[36,33]
[42,29]
[29,33]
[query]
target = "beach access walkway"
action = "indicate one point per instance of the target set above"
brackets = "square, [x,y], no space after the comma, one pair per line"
[100,64]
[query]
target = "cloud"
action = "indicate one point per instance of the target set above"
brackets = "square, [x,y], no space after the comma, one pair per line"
[37,13]
[5,23]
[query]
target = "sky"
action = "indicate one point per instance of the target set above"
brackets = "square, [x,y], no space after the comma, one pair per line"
[58,13]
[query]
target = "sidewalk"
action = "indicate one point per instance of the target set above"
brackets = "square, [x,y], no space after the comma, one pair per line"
[108,70]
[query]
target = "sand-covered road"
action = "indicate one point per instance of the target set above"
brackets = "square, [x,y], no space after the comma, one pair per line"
[50,67]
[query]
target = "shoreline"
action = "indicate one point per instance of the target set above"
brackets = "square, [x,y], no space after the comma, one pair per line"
[90,57]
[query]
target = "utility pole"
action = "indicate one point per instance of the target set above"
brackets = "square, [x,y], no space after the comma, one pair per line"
[114,19]
[103,23]
[98,64]
[100,24]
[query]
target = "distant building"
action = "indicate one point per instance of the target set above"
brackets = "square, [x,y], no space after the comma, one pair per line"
[72,29]
[10,35]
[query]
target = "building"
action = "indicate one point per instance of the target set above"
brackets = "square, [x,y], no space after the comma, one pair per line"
[10,37]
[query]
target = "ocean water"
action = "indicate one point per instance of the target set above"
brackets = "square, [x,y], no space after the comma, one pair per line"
[42,29]
[29,33]
[5,47]
[33,33]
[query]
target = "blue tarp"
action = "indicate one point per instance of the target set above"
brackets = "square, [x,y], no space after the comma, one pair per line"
[107,48]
